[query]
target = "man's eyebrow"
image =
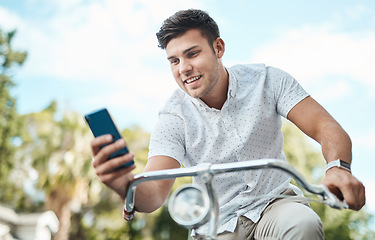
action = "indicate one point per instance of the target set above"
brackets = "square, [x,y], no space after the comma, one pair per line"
[171,57]
[185,51]
[189,49]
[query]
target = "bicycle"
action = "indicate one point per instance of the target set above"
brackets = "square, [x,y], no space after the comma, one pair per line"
[203,202]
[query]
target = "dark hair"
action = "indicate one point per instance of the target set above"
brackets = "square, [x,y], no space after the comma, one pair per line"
[185,20]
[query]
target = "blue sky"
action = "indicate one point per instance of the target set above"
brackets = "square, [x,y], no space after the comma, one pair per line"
[92,54]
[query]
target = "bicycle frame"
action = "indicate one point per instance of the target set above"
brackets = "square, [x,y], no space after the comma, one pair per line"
[207,172]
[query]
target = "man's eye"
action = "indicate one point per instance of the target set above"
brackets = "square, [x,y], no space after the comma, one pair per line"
[174,61]
[192,54]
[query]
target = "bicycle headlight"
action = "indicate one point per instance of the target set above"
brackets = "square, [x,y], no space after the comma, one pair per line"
[189,206]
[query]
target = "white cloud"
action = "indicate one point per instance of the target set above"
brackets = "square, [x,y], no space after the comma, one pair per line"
[332,90]
[314,53]
[91,41]
[146,94]
[8,20]
[365,139]
[357,11]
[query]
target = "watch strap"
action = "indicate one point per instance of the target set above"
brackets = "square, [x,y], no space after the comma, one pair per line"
[338,163]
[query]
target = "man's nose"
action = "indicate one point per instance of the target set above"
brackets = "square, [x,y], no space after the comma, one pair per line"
[185,67]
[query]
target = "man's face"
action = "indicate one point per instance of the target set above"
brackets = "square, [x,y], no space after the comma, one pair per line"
[194,64]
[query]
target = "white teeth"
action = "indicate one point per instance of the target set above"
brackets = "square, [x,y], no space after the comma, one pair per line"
[192,79]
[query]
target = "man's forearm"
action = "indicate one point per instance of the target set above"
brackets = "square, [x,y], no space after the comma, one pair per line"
[335,143]
[149,196]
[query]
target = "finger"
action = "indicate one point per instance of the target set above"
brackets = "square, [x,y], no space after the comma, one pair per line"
[332,183]
[104,153]
[353,193]
[336,191]
[109,177]
[361,196]
[115,164]
[98,142]
[118,180]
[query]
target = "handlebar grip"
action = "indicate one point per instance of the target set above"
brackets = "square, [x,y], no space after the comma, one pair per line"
[331,200]
[128,216]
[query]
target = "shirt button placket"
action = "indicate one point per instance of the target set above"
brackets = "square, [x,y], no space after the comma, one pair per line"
[233,133]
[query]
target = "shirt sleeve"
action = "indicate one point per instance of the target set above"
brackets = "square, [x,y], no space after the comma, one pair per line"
[167,138]
[286,90]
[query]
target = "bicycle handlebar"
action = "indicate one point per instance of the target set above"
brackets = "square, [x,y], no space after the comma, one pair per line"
[212,169]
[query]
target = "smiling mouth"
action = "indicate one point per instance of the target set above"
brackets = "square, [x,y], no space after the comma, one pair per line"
[193,79]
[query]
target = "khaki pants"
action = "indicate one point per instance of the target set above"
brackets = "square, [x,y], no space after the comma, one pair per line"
[287,218]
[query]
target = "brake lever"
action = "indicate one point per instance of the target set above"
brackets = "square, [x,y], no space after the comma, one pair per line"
[331,199]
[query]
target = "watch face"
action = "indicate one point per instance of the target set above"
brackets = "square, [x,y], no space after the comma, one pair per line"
[345,164]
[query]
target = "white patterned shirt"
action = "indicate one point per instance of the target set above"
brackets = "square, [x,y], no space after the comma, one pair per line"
[247,127]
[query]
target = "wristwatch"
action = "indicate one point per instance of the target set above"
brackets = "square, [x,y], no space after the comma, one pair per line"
[338,163]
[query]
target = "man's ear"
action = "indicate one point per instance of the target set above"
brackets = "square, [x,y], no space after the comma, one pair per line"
[219,47]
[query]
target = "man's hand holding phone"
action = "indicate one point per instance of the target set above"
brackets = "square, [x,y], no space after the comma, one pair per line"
[110,172]
[111,159]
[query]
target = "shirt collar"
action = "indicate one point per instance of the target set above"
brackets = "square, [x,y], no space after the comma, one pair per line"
[232,87]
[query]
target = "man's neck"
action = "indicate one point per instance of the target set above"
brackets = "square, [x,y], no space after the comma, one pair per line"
[219,96]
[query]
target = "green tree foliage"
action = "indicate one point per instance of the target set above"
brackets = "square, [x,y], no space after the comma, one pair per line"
[10,124]
[58,151]
[338,224]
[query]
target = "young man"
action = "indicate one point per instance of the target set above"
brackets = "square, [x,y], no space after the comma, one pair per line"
[227,115]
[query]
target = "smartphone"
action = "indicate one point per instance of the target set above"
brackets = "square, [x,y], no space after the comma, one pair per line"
[101,123]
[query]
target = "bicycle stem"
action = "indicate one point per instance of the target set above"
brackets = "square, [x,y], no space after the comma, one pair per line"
[207,178]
